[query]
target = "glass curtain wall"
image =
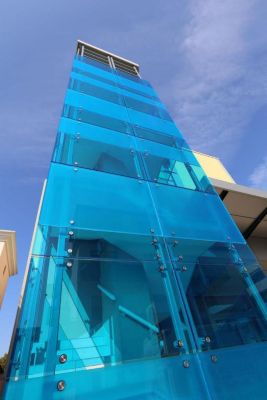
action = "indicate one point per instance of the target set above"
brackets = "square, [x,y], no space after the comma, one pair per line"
[139,280]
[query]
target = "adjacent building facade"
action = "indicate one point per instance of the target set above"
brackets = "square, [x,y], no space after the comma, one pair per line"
[247,206]
[8,259]
[139,284]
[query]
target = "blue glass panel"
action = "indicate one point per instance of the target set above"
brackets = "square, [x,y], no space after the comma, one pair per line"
[123,319]
[96,70]
[114,96]
[149,380]
[139,92]
[102,153]
[159,137]
[98,80]
[154,123]
[118,204]
[92,244]
[225,304]
[136,80]
[146,108]
[94,118]
[173,167]
[137,84]
[78,72]
[109,327]
[151,148]
[180,214]
[96,105]
[97,91]
[236,373]
[140,85]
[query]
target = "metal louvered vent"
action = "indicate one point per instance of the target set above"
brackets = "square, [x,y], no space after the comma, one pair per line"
[125,66]
[102,56]
[96,55]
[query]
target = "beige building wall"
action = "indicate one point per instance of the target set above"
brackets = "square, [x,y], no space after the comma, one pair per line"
[243,203]
[4,275]
[213,167]
[8,260]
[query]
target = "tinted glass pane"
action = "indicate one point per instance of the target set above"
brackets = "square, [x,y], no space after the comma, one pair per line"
[193,214]
[93,118]
[92,244]
[146,108]
[97,105]
[118,204]
[106,154]
[158,137]
[94,76]
[93,90]
[151,122]
[126,316]
[223,304]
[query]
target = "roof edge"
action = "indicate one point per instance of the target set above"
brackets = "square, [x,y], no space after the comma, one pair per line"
[80,42]
[235,187]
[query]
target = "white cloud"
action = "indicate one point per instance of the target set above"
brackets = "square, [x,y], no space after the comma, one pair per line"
[223,80]
[258,178]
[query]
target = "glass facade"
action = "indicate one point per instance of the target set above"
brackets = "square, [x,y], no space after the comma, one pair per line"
[140,285]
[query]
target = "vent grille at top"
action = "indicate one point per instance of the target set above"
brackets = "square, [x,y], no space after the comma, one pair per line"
[96,54]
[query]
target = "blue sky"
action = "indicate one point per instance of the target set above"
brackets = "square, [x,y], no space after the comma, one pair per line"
[207,59]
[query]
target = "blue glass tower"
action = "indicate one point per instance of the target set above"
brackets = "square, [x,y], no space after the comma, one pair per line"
[140,285]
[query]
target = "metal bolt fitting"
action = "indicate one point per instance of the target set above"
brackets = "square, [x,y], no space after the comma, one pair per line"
[180,258]
[180,343]
[60,386]
[214,358]
[63,358]
[69,264]
[72,222]
[162,268]
[186,364]
[184,268]
[69,251]
[71,233]
[207,339]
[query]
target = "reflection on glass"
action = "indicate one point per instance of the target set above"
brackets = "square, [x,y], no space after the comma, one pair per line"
[225,304]
[176,173]
[109,311]
[107,154]
[93,118]
[125,317]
